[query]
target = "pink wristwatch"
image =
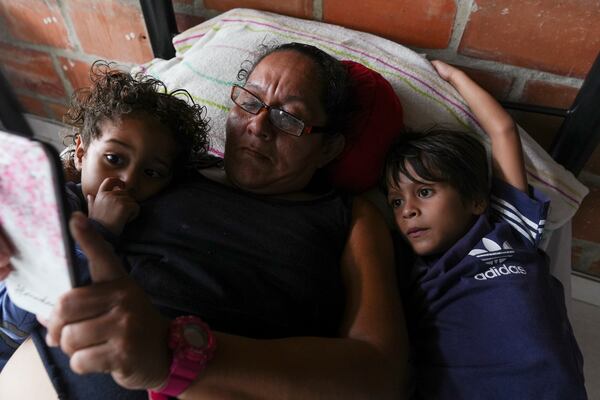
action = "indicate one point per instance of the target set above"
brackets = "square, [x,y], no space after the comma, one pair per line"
[193,345]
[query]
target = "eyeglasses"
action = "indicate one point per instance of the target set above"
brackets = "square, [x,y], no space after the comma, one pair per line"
[282,120]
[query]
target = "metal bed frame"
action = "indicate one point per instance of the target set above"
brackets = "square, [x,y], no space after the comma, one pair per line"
[11,116]
[573,144]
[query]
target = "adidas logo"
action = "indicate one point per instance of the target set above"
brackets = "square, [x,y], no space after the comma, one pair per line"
[493,253]
[496,272]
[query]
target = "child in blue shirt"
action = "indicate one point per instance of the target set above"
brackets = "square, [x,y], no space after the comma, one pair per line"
[132,138]
[486,319]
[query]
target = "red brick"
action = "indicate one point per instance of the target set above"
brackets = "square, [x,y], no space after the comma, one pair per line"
[57,111]
[293,8]
[562,37]
[31,70]
[549,94]
[424,23]
[593,163]
[35,21]
[576,255]
[586,257]
[187,21]
[542,128]
[560,96]
[585,222]
[32,105]
[594,267]
[496,84]
[111,29]
[77,72]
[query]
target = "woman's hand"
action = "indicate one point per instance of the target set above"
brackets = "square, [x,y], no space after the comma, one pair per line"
[6,251]
[109,326]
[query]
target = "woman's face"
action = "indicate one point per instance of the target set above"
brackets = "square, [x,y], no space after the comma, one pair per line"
[259,157]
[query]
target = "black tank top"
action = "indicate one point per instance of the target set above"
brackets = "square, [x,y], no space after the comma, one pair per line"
[249,265]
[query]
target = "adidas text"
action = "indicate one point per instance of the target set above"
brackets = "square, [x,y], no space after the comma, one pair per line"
[495,272]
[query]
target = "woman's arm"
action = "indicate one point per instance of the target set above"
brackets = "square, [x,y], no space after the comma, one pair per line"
[118,330]
[507,154]
[369,360]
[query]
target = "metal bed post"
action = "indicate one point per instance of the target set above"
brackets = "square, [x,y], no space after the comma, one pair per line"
[579,133]
[161,25]
[10,110]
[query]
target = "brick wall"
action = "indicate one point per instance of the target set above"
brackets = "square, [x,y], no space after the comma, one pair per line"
[535,51]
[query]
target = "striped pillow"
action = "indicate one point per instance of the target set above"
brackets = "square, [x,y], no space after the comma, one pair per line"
[210,54]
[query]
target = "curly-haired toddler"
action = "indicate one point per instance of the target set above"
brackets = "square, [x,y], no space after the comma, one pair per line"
[131,138]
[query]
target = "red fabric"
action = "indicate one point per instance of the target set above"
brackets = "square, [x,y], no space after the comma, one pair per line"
[377,122]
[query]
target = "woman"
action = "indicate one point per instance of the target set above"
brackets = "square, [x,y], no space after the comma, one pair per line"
[296,284]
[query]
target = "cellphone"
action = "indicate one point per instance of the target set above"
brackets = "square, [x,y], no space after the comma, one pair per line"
[33,214]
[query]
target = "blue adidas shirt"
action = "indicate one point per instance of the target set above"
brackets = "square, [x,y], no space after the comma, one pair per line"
[486,319]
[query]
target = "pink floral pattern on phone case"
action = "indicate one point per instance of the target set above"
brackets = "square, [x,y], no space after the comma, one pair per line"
[29,213]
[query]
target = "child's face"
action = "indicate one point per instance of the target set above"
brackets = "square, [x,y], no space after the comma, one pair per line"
[140,152]
[432,216]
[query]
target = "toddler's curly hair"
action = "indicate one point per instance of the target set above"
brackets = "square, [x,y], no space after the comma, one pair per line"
[115,94]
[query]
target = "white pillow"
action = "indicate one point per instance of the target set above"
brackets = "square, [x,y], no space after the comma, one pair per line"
[209,56]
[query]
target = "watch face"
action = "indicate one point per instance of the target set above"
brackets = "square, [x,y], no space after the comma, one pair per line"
[191,339]
[194,336]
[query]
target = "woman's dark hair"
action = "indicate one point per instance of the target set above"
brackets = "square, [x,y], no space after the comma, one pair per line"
[115,94]
[332,76]
[456,158]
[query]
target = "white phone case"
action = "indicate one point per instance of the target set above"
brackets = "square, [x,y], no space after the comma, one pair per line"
[32,215]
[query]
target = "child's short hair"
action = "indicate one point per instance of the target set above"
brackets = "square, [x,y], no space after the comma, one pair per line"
[115,94]
[439,155]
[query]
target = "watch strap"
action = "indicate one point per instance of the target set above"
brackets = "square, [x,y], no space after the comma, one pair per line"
[186,363]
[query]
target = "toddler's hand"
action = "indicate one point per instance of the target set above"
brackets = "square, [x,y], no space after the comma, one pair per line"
[113,206]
